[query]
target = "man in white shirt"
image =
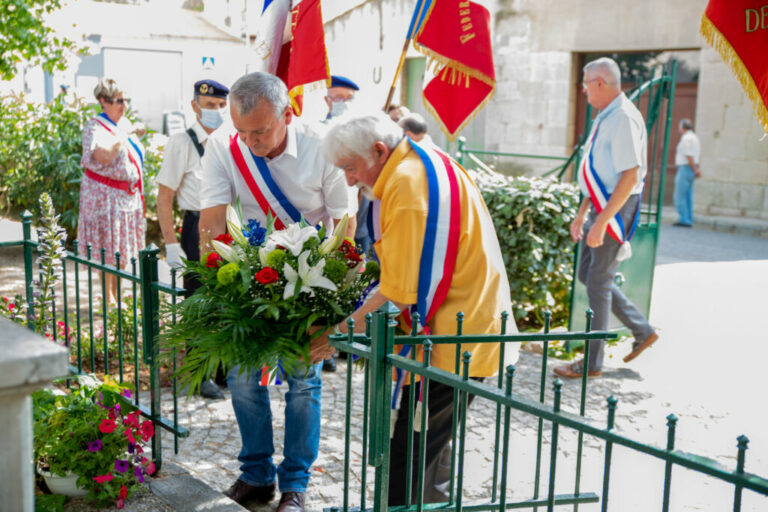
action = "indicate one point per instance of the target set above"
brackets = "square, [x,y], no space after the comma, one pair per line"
[180,176]
[687,162]
[266,155]
[611,177]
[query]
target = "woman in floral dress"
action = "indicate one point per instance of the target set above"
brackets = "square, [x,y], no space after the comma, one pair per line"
[111,192]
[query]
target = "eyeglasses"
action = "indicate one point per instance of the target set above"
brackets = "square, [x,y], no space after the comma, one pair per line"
[119,101]
[585,82]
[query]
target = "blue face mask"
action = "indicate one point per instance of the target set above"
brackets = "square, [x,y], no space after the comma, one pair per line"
[338,108]
[212,118]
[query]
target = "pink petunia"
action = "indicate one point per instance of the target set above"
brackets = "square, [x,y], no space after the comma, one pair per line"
[103,478]
[107,426]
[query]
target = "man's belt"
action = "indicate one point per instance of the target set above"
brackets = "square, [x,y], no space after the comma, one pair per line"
[126,186]
[192,213]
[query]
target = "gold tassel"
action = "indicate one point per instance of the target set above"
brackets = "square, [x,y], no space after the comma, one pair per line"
[716,40]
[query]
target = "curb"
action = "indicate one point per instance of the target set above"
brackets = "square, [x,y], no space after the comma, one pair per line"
[182,491]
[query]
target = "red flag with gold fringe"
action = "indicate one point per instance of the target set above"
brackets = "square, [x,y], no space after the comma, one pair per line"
[456,36]
[738,31]
[304,59]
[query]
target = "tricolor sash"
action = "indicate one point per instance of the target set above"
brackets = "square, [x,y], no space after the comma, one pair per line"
[265,190]
[439,250]
[599,195]
[272,201]
[134,149]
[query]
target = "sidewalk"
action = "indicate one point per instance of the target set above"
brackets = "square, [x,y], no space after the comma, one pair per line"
[721,223]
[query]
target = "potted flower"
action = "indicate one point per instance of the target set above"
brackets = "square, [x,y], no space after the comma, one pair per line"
[90,441]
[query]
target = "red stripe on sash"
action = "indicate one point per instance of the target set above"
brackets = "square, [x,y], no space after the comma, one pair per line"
[245,172]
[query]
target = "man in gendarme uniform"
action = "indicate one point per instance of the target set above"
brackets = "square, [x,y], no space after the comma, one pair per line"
[376,157]
[180,176]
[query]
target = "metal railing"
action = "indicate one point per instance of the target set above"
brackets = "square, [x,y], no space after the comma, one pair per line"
[463,152]
[79,322]
[376,349]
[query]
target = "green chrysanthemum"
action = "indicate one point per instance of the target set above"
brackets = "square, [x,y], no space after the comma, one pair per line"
[276,258]
[335,270]
[227,274]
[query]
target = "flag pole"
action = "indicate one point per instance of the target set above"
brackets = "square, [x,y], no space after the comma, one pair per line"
[417,14]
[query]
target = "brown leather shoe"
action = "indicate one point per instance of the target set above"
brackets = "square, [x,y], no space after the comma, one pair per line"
[573,371]
[243,493]
[637,348]
[291,502]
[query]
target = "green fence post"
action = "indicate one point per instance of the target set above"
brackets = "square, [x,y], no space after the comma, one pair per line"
[26,225]
[150,327]
[381,345]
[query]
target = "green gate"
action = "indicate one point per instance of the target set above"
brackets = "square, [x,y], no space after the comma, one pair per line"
[655,98]
[98,335]
[375,351]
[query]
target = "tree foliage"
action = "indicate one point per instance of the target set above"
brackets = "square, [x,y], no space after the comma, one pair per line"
[25,37]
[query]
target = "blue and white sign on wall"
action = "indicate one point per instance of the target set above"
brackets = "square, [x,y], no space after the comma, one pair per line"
[208,62]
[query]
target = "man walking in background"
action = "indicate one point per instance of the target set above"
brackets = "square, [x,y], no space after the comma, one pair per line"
[687,162]
[611,178]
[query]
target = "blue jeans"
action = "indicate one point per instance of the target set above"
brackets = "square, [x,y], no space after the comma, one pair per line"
[302,429]
[684,194]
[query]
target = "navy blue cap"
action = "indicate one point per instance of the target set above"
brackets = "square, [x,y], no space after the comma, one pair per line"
[211,88]
[341,81]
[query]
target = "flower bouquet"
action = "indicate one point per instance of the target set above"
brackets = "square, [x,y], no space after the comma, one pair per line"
[95,433]
[263,290]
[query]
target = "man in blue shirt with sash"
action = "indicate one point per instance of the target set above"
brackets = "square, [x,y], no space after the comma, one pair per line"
[611,178]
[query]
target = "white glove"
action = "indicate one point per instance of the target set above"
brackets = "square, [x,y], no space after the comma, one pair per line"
[173,255]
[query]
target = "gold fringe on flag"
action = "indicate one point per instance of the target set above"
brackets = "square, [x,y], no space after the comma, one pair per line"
[718,41]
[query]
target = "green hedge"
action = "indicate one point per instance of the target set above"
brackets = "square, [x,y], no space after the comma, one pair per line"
[40,151]
[532,218]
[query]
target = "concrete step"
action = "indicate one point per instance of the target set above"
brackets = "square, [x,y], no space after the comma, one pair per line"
[721,223]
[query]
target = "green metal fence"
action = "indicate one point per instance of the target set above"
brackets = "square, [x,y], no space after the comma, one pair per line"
[376,351]
[105,338]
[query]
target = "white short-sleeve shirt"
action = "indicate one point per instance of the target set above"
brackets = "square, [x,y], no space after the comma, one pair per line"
[317,189]
[181,168]
[689,145]
[619,145]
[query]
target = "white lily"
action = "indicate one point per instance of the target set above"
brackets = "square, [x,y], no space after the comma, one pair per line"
[225,251]
[311,277]
[292,238]
[336,238]
[263,252]
[235,226]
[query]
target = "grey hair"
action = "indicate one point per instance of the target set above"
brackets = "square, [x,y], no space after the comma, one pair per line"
[355,133]
[686,124]
[252,88]
[106,88]
[607,69]
[413,123]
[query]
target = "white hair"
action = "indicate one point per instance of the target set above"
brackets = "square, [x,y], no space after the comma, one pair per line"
[607,69]
[252,88]
[355,133]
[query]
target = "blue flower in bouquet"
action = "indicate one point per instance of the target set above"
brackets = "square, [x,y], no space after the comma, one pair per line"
[254,233]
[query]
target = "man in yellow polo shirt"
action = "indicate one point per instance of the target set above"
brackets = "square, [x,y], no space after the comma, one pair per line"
[376,157]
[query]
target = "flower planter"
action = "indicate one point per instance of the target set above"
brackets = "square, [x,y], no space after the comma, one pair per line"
[66,485]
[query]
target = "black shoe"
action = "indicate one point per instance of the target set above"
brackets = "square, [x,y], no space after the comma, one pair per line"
[329,365]
[209,389]
[243,493]
[682,225]
[291,502]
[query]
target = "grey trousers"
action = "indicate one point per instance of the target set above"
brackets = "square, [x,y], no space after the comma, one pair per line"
[597,269]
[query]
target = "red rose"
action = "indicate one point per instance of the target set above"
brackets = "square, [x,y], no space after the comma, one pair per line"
[107,426]
[225,238]
[267,275]
[213,259]
[346,247]
[354,257]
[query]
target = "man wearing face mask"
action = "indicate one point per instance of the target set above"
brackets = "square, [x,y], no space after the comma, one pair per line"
[340,94]
[180,176]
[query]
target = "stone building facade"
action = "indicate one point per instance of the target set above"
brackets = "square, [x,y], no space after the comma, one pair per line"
[538,51]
